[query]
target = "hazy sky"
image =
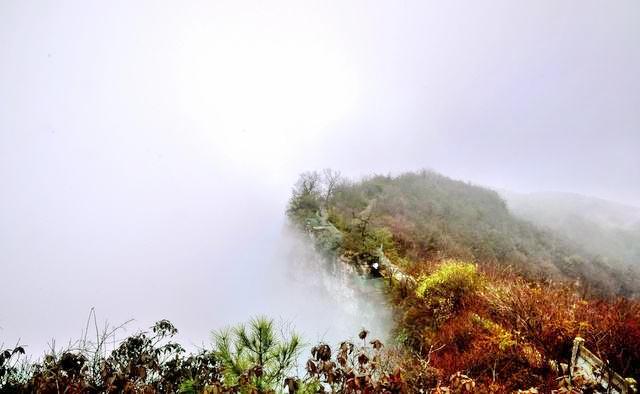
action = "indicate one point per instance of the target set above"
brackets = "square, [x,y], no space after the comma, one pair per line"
[158,141]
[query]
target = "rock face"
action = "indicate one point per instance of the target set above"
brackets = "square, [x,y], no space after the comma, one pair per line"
[328,239]
[393,272]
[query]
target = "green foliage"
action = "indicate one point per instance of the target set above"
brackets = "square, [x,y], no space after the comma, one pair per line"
[497,325]
[426,216]
[306,197]
[365,238]
[254,355]
[12,373]
[452,280]
[598,226]
[510,340]
[312,192]
[328,238]
[378,237]
[499,335]
[304,205]
[189,386]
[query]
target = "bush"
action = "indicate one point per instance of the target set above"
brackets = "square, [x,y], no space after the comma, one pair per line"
[254,357]
[451,281]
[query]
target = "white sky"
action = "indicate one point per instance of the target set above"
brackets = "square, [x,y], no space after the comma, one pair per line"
[159,140]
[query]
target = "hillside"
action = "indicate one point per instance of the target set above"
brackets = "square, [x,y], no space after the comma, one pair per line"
[602,228]
[428,216]
[487,293]
[482,302]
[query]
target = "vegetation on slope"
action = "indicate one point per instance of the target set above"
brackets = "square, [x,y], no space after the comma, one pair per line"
[478,313]
[426,216]
[495,297]
[605,229]
[247,359]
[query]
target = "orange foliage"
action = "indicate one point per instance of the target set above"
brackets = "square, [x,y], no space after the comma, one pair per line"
[509,334]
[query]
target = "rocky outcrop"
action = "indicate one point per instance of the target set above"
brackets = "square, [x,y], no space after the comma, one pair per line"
[328,239]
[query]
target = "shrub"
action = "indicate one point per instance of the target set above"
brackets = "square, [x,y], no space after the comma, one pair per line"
[12,371]
[144,362]
[452,280]
[254,356]
[498,335]
[357,369]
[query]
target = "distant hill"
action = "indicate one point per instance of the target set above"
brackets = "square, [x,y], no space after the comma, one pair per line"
[602,228]
[429,217]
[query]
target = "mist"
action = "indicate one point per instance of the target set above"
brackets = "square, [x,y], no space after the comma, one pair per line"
[147,151]
[601,228]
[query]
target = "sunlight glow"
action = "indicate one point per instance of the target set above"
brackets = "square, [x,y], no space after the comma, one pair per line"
[252,96]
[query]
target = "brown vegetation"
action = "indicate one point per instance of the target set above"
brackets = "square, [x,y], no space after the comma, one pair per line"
[509,318]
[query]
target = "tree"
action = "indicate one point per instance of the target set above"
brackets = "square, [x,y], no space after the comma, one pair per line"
[253,355]
[305,200]
[330,179]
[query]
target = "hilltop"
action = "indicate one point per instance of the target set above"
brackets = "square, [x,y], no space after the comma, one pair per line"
[488,293]
[426,216]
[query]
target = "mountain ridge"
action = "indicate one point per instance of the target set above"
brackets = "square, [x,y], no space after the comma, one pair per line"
[490,294]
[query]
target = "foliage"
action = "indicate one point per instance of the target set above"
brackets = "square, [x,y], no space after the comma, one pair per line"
[488,303]
[431,217]
[11,372]
[143,362]
[254,356]
[496,358]
[452,280]
[313,191]
[598,226]
[502,337]
[368,368]
[507,318]
[305,200]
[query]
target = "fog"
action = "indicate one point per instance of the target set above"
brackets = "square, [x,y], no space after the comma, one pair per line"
[148,149]
[607,230]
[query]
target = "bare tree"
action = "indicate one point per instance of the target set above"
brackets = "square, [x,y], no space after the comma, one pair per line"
[330,179]
[307,195]
[308,184]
